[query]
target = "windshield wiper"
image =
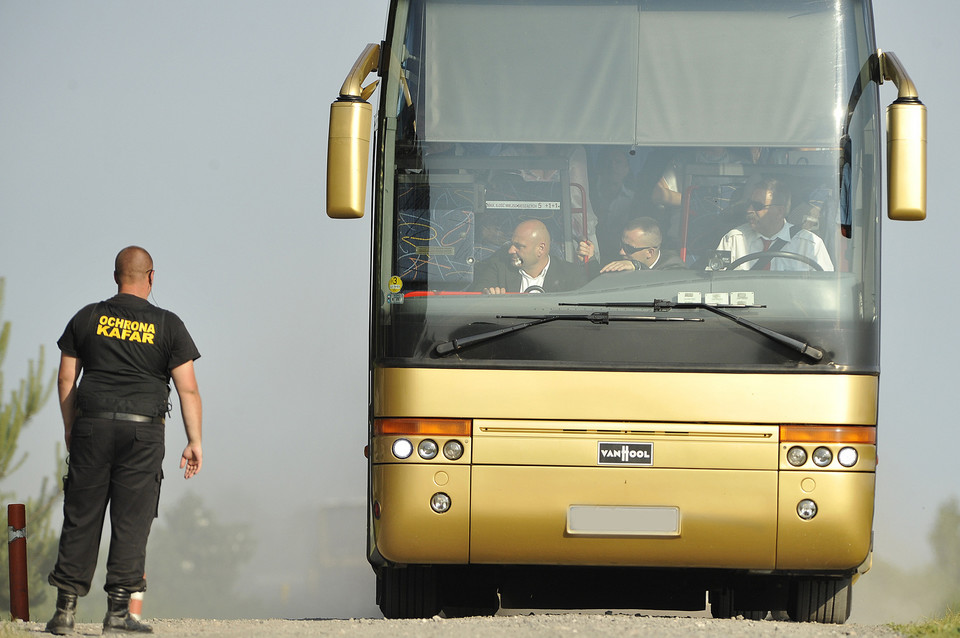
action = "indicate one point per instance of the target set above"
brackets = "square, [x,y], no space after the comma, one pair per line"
[456,345]
[662,305]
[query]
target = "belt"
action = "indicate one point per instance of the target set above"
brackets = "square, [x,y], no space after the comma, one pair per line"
[122,416]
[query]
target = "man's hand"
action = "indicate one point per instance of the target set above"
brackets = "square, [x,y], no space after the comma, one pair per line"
[67,376]
[191,408]
[192,459]
[614,266]
[495,290]
[586,250]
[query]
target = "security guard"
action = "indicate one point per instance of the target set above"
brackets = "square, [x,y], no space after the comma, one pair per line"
[128,350]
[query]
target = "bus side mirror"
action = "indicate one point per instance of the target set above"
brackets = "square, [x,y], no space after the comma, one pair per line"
[348,150]
[907,160]
[348,142]
[906,144]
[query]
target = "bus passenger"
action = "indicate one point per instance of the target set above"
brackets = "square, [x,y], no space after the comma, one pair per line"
[640,249]
[767,230]
[525,264]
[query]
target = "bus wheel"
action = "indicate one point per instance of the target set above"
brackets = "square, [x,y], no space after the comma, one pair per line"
[722,605]
[825,600]
[407,592]
[466,594]
[487,605]
[466,612]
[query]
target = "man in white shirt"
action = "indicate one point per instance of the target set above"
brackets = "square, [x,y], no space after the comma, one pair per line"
[767,230]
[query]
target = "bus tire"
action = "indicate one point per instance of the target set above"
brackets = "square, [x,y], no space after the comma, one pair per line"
[407,592]
[823,600]
[467,593]
[482,604]
[467,612]
[723,605]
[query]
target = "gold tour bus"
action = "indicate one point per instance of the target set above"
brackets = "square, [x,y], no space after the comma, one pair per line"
[682,415]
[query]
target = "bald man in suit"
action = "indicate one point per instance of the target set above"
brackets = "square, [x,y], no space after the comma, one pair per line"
[525,265]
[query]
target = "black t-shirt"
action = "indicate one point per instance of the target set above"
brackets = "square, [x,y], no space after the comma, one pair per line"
[127,347]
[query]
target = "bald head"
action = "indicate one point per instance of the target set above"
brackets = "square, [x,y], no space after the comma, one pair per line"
[133,271]
[530,246]
[534,230]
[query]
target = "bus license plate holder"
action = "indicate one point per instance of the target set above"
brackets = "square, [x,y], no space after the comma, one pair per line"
[621,520]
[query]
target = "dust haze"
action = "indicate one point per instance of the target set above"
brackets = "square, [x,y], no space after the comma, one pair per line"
[198,130]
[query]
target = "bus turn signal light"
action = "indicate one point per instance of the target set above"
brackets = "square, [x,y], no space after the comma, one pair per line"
[414,427]
[828,434]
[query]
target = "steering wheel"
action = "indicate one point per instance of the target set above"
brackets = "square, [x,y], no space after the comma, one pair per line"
[534,289]
[772,254]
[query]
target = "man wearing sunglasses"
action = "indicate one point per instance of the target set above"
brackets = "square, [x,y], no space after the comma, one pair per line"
[767,230]
[640,249]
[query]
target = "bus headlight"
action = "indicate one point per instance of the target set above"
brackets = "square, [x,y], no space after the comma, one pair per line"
[796,456]
[848,457]
[806,509]
[402,448]
[453,450]
[440,502]
[822,456]
[427,449]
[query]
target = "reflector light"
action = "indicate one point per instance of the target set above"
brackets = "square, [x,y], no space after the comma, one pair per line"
[796,456]
[847,457]
[402,448]
[440,502]
[427,449]
[822,456]
[453,450]
[806,509]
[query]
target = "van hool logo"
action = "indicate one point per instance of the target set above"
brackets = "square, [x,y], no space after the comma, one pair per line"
[609,453]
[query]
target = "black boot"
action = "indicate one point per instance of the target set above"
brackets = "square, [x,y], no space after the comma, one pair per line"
[118,619]
[63,619]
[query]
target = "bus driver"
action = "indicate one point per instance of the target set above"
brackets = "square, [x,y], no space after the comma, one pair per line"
[767,230]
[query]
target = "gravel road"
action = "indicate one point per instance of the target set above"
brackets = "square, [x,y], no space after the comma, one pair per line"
[518,626]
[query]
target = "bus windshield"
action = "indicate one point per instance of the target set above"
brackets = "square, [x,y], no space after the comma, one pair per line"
[529,180]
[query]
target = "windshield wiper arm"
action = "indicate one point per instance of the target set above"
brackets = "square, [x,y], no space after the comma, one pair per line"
[662,305]
[456,345]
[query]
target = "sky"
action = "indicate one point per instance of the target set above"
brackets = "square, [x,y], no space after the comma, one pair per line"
[198,130]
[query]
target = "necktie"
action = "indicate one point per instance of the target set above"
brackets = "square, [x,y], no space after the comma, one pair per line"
[766,247]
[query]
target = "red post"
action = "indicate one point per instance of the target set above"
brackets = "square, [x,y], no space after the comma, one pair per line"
[17,548]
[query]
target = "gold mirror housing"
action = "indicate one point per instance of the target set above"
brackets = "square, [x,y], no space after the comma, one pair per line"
[348,150]
[348,143]
[906,145]
[907,161]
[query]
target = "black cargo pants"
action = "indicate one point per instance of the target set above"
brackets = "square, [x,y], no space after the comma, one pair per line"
[115,462]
